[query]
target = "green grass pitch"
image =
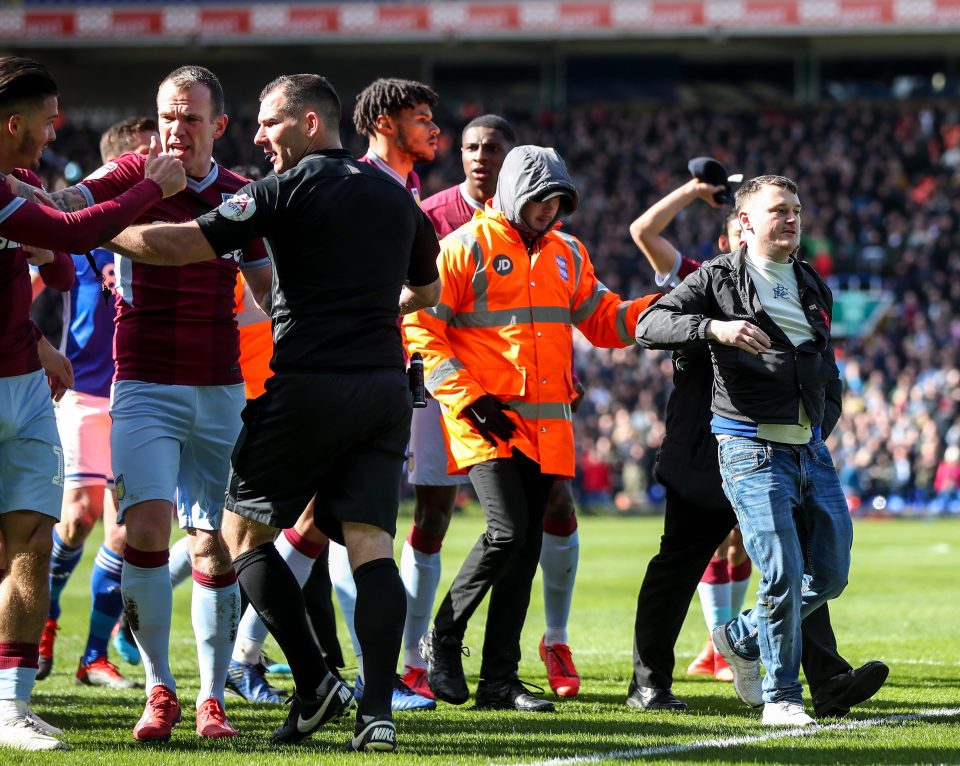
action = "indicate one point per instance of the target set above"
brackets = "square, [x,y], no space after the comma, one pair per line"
[902,606]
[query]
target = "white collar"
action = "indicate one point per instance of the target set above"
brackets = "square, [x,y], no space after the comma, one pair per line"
[198,186]
[376,160]
[468,199]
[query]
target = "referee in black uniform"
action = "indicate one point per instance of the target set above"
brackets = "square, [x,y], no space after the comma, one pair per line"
[351,250]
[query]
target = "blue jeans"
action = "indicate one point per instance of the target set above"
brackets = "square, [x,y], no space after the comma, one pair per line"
[798,532]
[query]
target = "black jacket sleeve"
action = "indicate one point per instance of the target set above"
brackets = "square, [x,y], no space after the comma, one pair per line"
[832,406]
[680,318]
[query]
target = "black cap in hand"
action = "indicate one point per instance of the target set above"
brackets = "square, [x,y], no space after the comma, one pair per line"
[709,170]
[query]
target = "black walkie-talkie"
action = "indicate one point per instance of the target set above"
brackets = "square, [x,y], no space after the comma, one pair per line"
[418,389]
[104,290]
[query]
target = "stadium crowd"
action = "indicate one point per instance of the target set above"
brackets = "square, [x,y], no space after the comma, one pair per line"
[879,186]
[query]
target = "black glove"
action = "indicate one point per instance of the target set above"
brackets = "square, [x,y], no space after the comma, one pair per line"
[487,417]
[710,170]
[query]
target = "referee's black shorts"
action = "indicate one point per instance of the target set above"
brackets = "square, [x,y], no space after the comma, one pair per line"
[339,436]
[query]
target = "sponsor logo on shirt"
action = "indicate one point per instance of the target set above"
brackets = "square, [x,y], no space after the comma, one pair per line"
[238,207]
[100,172]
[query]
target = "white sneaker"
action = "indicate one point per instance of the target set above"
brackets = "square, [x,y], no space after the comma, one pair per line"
[746,673]
[785,714]
[20,732]
[46,728]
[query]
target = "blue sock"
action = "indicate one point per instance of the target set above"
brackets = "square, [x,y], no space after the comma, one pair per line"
[63,560]
[107,602]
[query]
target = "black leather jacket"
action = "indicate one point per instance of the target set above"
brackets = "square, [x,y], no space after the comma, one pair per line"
[768,387]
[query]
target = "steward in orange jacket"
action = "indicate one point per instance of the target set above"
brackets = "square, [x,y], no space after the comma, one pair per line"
[504,323]
[497,354]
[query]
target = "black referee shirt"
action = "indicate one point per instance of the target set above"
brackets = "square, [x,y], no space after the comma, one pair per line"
[344,239]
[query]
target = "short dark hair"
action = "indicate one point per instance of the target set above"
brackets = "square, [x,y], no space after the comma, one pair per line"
[389,96]
[749,188]
[303,91]
[729,217]
[124,136]
[24,81]
[494,122]
[186,77]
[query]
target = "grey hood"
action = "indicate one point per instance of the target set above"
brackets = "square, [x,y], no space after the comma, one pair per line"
[529,172]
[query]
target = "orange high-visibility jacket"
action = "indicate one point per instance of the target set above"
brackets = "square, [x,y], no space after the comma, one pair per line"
[256,340]
[504,326]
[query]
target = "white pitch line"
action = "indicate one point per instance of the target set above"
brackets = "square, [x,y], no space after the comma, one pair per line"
[706,744]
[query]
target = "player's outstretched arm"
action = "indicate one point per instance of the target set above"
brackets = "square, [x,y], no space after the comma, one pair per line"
[66,200]
[647,230]
[165,170]
[164,244]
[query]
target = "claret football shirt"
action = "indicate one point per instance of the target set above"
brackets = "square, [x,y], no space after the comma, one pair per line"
[175,324]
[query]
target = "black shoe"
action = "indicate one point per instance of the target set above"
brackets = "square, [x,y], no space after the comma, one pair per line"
[835,696]
[333,700]
[376,735]
[651,698]
[443,655]
[511,694]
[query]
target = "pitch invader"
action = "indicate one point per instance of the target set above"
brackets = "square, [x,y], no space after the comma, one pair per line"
[83,421]
[175,405]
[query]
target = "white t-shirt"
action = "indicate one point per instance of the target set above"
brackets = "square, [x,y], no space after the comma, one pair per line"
[776,286]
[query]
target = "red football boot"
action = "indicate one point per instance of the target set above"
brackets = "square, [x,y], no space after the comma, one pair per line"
[212,721]
[160,715]
[561,672]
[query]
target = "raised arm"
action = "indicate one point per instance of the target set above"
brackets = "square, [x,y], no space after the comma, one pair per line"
[161,168]
[66,200]
[647,230]
[33,224]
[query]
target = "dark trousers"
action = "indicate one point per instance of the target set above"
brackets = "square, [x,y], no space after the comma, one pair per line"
[690,536]
[513,493]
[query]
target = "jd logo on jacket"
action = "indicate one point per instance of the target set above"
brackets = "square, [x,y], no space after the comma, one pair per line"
[502,265]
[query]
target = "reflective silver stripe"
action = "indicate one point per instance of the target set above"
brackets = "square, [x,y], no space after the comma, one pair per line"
[442,372]
[542,411]
[574,246]
[508,317]
[585,310]
[479,274]
[441,311]
[626,334]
